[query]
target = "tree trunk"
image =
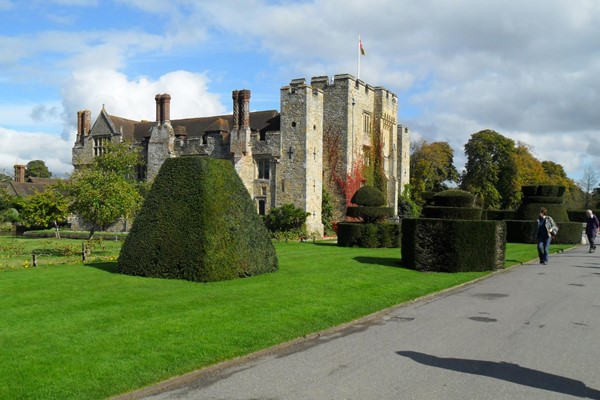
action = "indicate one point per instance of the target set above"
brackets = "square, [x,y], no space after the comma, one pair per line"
[57,234]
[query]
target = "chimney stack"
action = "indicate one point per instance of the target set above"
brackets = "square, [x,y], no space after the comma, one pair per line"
[163,108]
[84,123]
[236,109]
[244,109]
[19,173]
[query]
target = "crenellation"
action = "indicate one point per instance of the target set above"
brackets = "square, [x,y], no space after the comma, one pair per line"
[323,130]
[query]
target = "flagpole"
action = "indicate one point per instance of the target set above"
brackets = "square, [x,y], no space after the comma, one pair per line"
[358,59]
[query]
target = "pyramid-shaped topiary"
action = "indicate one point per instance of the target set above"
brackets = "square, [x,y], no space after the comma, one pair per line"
[198,223]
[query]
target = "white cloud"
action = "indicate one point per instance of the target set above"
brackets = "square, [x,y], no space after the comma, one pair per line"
[19,147]
[525,69]
[134,99]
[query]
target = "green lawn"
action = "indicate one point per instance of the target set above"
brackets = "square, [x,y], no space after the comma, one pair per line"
[70,330]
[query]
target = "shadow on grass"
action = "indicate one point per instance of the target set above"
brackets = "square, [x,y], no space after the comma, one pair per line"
[386,261]
[110,267]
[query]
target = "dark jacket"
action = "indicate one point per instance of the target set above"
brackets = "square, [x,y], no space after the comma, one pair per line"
[591,224]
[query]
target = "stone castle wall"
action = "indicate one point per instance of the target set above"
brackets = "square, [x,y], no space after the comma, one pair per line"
[301,160]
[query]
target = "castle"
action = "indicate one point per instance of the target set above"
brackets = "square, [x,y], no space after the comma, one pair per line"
[323,131]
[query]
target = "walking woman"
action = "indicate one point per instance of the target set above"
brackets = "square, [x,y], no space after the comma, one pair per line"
[591,229]
[546,229]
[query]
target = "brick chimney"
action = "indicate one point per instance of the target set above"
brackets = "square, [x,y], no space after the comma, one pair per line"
[84,123]
[163,108]
[236,109]
[244,111]
[19,173]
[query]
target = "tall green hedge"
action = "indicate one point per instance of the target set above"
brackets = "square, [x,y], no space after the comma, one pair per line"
[197,223]
[446,245]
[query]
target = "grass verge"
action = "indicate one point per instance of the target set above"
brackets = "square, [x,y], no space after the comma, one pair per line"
[87,332]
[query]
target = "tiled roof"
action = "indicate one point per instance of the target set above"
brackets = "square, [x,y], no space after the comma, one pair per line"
[26,189]
[260,121]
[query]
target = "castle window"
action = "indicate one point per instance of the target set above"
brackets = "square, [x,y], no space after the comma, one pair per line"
[262,207]
[263,169]
[100,145]
[293,124]
[262,136]
[205,138]
[366,123]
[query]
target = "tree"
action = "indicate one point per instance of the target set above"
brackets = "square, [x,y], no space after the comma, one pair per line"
[431,167]
[106,191]
[529,171]
[45,208]
[588,183]
[490,171]
[556,175]
[4,176]
[8,213]
[37,168]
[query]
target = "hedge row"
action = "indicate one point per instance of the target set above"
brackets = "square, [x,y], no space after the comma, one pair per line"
[470,213]
[445,245]
[579,215]
[525,232]
[353,234]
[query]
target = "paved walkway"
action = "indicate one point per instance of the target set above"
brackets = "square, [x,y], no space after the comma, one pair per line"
[532,332]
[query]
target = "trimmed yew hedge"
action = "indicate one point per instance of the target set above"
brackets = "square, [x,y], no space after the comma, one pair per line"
[352,234]
[198,223]
[525,232]
[445,245]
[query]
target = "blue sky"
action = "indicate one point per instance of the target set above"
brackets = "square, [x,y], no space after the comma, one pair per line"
[529,70]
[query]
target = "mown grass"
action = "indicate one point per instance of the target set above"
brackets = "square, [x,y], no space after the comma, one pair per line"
[71,330]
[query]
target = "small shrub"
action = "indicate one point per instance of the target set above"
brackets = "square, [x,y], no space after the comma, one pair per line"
[368,196]
[286,218]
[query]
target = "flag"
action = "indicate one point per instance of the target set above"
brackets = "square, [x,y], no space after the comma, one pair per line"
[360,46]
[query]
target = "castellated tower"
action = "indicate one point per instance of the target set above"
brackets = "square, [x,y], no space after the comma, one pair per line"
[162,137]
[300,177]
[361,120]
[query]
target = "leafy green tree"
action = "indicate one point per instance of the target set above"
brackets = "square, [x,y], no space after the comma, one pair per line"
[407,207]
[37,168]
[491,171]
[556,175]
[529,171]
[4,176]
[8,212]
[46,208]
[6,199]
[431,168]
[107,190]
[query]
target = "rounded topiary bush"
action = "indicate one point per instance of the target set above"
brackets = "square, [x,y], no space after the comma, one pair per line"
[368,196]
[371,231]
[198,223]
[454,198]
